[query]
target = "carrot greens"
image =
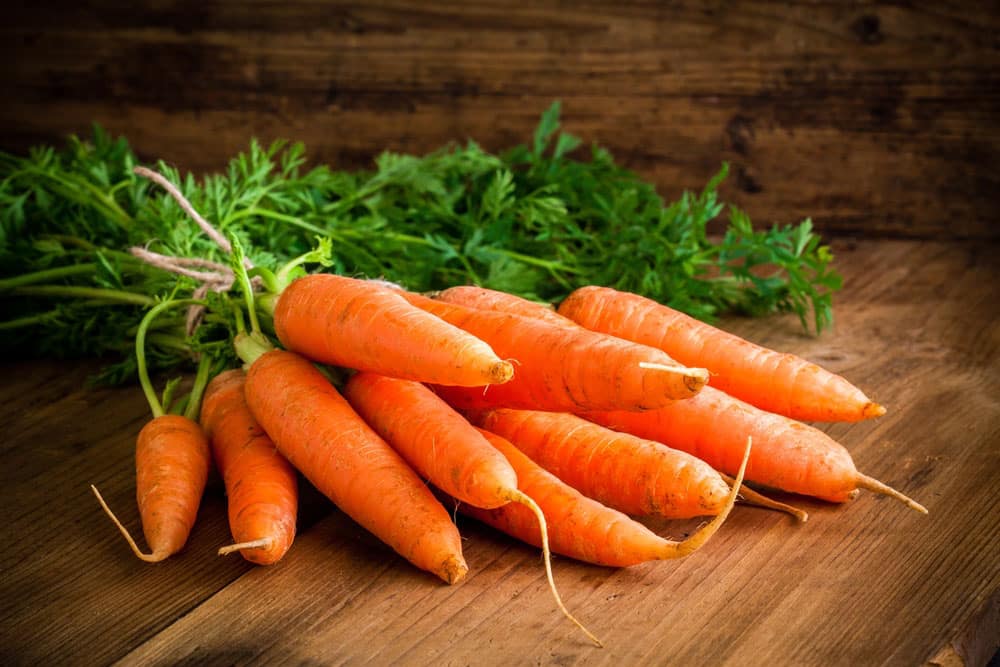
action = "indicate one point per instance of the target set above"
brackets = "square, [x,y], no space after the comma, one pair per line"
[538,220]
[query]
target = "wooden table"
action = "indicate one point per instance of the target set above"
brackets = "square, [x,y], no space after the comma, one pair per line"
[870,582]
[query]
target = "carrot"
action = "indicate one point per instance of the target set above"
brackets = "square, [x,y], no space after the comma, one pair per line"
[787,454]
[261,485]
[569,369]
[583,528]
[325,439]
[489,299]
[365,325]
[631,474]
[443,447]
[782,383]
[171,462]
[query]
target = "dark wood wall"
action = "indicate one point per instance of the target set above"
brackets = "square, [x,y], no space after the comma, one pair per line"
[874,119]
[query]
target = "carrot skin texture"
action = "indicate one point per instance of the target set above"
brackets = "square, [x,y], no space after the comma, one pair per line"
[315,428]
[567,369]
[713,426]
[435,440]
[777,382]
[595,460]
[171,463]
[363,325]
[579,527]
[482,298]
[261,485]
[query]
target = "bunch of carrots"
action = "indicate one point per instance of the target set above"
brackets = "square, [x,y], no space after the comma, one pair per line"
[557,426]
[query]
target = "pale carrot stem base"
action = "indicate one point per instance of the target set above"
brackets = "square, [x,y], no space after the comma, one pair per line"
[262,543]
[691,544]
[752,497]
[524,499]
[872,484]
[149,558]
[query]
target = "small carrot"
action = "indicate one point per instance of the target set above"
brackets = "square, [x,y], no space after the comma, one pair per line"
[325,439]
[631,474]
[582,528]
[565,369]
[261,485]
[365,325]
[787,454]
[171,462]
[443,447]
[782,383]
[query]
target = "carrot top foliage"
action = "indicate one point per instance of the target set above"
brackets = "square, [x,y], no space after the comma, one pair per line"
[538,220]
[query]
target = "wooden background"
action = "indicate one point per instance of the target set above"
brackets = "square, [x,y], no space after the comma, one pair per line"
[875,119]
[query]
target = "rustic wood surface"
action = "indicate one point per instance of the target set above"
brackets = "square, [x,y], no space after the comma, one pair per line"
[873,118]
[866,583]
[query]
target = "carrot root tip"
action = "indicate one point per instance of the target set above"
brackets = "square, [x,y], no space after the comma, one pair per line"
[702,535]
[872,410]
[154,557]
[872,484]
[519,496]
[262,543]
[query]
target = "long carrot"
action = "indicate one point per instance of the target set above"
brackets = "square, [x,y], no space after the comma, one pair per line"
[483,298]
[631,474]
[171,462]
[582,528]
[261,485]
[443,447]
[781,383]
[364,325]
[325,439]
[565,369]
[787,454]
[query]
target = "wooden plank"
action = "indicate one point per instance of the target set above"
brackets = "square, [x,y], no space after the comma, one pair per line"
[918,326]
[871,119]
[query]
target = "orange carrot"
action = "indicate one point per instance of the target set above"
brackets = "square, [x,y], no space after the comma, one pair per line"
[261,485]
[489,299]
[443,447]
[580,527]
[782,383]
[325,439]
[171,460]
[787,454]
[631,474]
[365,325]
[435,440]
[171,465]
[564,369]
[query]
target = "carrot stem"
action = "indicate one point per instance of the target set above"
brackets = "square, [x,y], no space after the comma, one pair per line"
[200,380]
[140,350]
[46,275]
[79,292]
[872,484]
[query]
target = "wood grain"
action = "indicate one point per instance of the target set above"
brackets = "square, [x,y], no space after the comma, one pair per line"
[873,119]
[865,583]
